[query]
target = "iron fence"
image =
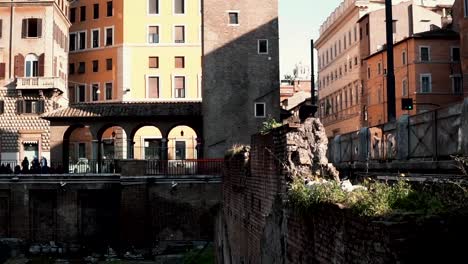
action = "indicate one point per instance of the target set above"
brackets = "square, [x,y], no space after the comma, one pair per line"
[211,167]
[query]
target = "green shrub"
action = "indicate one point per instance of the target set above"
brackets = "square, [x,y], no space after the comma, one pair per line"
[269,125]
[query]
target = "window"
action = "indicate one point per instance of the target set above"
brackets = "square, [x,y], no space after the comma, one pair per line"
[109,36]
[108,91]
[96,11]
[457,84]
[31,28]
[403,57]
[81,150]
[424,54]
[426,83]
[95,65]
[404,87]
[179,34]
[262,46]
[180,150]
[95,91]
[233,18]
[466,7]
[179,87]
[81,67]
[73,40]
[260,110]
[180,62]
[31,107]
[95,38]
[455,54]
[379,68]
[179,6]
[153,87]
[82,13]
[110,9]
[71,68]
[153,34]
[109,64]
[72,15]
[81,93]
[82,40]
[394,26]
[368,72]
[154,62]
[31,65]
[153,7]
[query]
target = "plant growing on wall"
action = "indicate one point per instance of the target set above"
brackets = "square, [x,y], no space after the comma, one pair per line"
[269,125]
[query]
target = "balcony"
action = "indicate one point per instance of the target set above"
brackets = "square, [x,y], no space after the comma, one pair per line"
[33,83]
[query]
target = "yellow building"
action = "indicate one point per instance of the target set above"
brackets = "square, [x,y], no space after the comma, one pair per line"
[135,51]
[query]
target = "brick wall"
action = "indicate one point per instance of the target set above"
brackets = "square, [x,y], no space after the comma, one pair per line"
[256,226]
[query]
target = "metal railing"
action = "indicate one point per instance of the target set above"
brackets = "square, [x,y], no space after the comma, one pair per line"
[211,167]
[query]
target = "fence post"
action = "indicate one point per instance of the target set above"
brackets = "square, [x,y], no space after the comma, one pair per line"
[337,149]
[464,128]
[402,137]
[363,149]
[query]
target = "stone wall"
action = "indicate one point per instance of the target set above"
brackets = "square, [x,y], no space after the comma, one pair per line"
[97,212]
[257,226]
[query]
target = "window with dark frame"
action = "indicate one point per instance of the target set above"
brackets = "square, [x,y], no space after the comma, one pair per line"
[109,36]
[109,64]
[233,18]
[108,91]
[95,38]
[154,62]
[95,91]
[180,62]
[457,85]
[110,9]
[179,6]
[179,34]
[31,28]
[179,87]
[153,34]
[73,39]
[81,67]
[466,7]
[82,13]
[95,65]
[153,87]
[71,68]
[96,11]
[262,46]
[81,93]
[81,40]
[455,54]
[153,6]
[424,54]
[72,15]
[260,110]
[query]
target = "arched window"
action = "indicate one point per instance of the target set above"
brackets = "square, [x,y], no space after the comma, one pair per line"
[31,66]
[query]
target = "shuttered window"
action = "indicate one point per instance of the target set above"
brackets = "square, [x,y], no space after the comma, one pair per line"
[2,70]
[83,13]
[153,34]
[108,91]
[2,107]
[96,11]
[153,87]
[1,28]
[179,34]
[31,28]
[179,87]
[110,8]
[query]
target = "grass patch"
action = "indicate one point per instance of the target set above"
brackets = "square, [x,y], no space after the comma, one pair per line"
[382,199]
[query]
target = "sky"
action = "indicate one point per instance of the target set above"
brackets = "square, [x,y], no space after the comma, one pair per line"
[299,22]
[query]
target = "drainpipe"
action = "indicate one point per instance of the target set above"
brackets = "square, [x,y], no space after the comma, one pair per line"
[11,39]
[391,107]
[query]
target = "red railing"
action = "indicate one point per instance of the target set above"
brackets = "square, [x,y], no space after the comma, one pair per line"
[212,167]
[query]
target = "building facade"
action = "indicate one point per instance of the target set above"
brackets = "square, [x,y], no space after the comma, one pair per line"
[352,32]
[33,74]
[135,52]
[460,24]
[427,69]
[240,71]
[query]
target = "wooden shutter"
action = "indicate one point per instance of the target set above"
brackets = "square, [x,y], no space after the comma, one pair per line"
[41,64]
[179,34]
[2,70]
[39,27]
[153,6]
[19,65]
[71,94]
[2,107]
[153,62]
[179,62]
[24,28]
[153,87]
[20,106]
[179,82]
[1,27]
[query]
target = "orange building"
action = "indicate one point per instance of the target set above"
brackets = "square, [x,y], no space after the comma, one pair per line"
[427,69]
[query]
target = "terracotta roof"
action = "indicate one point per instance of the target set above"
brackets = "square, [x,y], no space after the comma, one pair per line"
[127,109]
